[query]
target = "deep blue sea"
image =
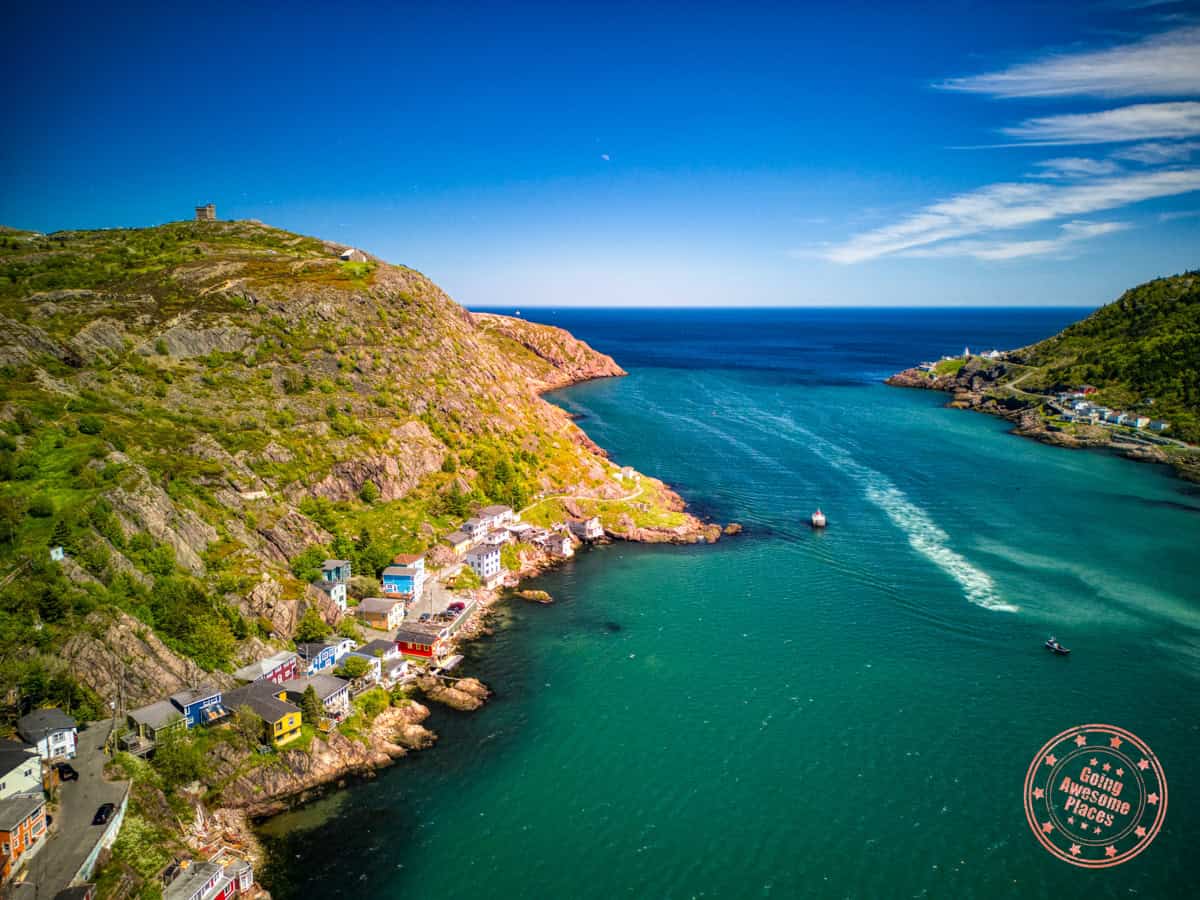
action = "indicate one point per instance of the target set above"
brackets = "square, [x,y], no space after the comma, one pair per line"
[791,713]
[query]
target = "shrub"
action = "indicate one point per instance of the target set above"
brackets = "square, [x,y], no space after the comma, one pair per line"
[369,492]
[41,506]
[311,627]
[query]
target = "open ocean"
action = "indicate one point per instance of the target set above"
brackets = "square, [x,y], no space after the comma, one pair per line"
[790,713]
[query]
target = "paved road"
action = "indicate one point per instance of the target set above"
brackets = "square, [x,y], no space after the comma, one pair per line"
[74,835]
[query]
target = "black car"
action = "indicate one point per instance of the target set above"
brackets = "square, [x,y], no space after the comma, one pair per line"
[66,772]
[103,814]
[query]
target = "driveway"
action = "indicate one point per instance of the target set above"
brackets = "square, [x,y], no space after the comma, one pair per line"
[74,836]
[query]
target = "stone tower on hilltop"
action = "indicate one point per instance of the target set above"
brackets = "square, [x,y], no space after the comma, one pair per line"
[207,213]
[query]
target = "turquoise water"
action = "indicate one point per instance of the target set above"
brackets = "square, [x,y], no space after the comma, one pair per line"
[790,713]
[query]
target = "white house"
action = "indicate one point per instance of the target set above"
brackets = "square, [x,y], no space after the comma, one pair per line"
[587,529]
[20,770]
[334,590]
[484,561]
[1159,425]
[352,255]
[51,731]
[1137,421]
[496,516]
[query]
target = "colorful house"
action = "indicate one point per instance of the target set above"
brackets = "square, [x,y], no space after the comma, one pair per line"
[200,706]
[51,731]
[383,613]
[420,645]
[280,719]
[22,825]
[336,570]
[277,668]
[1159,425]
[149,723]
[20,770]
[484,561]
[403,581]
[216,879]
[333,692]
[317,657]
[459,541]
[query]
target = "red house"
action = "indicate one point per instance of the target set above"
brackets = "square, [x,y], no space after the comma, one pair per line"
[281,667]
[419,644]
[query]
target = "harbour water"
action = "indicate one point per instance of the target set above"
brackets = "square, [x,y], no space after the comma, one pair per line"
[846,713]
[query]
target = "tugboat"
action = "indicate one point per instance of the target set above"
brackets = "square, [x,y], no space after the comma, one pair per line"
[1055,647]
[818,519]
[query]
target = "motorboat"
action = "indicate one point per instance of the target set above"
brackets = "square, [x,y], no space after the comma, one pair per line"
[1055,647]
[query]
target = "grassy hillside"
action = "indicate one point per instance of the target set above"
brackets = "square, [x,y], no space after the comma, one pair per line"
[199,412]
[1144,346]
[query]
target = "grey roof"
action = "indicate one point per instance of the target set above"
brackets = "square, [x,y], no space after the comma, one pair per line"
[312,650]
[261,667]
[156,715]
[413,636]
[495,510]
[325,685]
[482,550]
[262,699]
[377,646]
[401,570]
[334,563]
[42,722]
[194,877]
[16,809]
[325,587]
[13,754]
[379,604]
[191,695]
[457,537]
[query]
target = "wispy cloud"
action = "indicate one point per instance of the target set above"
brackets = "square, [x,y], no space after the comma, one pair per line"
[1069,234]
[1157,154]
[1163,65]
[1139,122]
[1010,205]
[1073,167]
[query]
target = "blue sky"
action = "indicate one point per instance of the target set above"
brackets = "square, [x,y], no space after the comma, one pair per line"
[692,154]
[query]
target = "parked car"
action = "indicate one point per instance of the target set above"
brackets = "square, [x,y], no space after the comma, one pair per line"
[424,617]
[103,814]
[456,606]
[66,772]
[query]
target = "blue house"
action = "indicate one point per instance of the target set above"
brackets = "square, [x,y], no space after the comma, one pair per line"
[336,570]
[405,581]
[200,706]
[317,657]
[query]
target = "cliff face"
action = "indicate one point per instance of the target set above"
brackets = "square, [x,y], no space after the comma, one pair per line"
[219,402]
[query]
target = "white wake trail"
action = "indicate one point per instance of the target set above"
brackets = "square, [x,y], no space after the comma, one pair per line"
[924,535]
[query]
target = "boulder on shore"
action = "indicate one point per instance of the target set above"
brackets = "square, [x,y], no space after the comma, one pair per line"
[535,596]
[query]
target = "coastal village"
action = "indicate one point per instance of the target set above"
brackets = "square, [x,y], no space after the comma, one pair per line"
[411,631]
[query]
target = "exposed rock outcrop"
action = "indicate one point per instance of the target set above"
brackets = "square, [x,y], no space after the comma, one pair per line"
[144,506]
[116,648]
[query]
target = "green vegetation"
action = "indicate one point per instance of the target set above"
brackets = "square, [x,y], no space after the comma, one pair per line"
[949,366]
[151,377]
[1143,347]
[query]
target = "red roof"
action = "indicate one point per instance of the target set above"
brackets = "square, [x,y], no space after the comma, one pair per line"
[406,559]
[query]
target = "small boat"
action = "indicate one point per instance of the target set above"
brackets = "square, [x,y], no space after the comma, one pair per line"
[1055,647]
[818,519]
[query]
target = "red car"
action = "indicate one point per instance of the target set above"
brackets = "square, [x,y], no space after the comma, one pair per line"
[456,606]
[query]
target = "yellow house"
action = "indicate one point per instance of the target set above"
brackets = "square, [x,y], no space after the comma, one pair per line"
[281,719]
[459,541]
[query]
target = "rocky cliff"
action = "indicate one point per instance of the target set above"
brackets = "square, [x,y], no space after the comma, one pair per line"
[199,411]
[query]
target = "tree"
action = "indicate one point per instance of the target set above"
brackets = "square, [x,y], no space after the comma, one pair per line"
[311,627]
[247,724]
[347,628]
[354,667]
[177,758]
[310,707]
[60,536]
[12,515]
[449,464]
[42,506]
[369,492]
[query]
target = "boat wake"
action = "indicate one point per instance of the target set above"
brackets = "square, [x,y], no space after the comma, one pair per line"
[924,535]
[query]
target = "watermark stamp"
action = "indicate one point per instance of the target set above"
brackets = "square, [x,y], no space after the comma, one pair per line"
[1095,796]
